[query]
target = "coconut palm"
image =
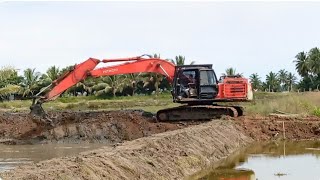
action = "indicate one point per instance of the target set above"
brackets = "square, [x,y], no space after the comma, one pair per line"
[255,81]
[180,60]
[314,60]
[302,64]
[230,72]
[282,77]
[132,80]
[53,73]
[153,79]
[272,82]
[291,80]
[30,82]
[114,84]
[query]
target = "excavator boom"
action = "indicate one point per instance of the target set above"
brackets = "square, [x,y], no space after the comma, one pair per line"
[199,94]
[87,69]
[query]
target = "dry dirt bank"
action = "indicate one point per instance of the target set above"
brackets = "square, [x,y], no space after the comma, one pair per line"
[271,128]
[101,126]
[169,155]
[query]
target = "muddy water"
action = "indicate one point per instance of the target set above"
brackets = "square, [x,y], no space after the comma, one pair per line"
[14,155]
[278,161]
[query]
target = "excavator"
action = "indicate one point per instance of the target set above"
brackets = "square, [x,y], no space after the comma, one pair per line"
[196,87]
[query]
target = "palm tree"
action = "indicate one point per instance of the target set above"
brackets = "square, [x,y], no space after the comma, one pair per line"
[272,82]
[302,64]
[314,60]
[154,78]
[111,84]
[230,72]
[255,81]
[132,80]
[180,60]
[29,84]
[291,80]
[53,73]
[283,76]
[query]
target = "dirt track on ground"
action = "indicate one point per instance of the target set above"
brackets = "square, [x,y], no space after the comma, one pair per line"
[169,155]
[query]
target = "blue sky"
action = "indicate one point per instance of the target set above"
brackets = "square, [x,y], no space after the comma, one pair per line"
[249,36]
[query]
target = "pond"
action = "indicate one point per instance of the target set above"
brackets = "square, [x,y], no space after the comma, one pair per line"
[268,161]
[14,155]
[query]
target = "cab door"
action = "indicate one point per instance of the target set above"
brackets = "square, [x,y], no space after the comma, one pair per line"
[208,86]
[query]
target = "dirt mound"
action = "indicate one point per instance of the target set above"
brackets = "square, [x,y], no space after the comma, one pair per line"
[272,128]
[106,126]
[169,155]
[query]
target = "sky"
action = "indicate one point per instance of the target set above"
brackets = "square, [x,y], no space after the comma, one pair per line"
[253,37]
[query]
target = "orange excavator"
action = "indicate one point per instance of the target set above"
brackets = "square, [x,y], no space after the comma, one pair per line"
[194,86]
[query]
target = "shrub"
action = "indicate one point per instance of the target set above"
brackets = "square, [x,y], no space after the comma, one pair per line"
[316,111]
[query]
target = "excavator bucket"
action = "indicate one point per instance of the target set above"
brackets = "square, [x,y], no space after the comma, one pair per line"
[39,115]
[37,110]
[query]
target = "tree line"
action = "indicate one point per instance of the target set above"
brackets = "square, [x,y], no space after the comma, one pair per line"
[307,65]
[32,82]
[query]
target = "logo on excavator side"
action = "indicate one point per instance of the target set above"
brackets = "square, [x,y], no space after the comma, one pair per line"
[109,71]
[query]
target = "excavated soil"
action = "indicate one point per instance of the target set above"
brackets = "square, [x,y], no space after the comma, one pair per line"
[170,155]
[280,127]
[101,126]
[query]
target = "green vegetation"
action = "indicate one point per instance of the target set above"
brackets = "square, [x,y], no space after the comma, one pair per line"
[295,103]
[264,103]
[149,103]
[136,90]
[275,82]
[180,60]
[316,111]
[231,72]
[308,67]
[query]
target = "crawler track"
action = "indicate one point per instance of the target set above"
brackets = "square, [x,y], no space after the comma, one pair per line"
[198,112]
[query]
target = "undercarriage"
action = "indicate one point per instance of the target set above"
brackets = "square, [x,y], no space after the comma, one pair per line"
[198,112]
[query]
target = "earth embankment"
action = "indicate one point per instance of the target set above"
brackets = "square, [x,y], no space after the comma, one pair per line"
[169,155]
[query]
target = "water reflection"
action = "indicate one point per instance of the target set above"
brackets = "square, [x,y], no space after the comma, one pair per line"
[230,174]
[277,160]
[14,155]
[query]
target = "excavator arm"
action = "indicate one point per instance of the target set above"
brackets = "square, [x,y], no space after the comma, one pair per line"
[87,69]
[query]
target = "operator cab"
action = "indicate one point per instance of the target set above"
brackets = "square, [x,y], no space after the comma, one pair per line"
[194,84]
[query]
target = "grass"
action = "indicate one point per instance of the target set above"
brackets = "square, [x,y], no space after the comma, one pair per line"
[316,111]
[296,103]
[149,103]
[307,103]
